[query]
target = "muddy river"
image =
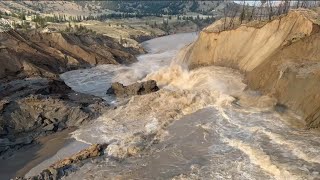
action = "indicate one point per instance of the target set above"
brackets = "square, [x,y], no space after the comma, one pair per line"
[202,124]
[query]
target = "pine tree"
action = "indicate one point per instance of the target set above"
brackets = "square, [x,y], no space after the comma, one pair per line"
[242,16]
[22,16]
[14,25]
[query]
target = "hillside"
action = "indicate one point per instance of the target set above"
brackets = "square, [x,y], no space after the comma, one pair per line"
[48,54]
[279,58]
[127,22]
[86,8]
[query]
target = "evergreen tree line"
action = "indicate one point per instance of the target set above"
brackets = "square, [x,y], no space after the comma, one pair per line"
[199,21]
[78,29]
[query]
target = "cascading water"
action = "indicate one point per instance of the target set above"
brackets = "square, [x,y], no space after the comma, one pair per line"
[222,131]
[96,80]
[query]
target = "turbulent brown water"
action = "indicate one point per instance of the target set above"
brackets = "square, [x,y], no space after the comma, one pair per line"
[202,124]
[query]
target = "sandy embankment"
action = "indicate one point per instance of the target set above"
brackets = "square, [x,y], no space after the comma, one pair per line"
[280,58]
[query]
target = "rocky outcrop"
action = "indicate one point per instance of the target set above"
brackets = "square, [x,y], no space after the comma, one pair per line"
[90,152]
[280,58]
[33,107]
[138,88]
[48,54]
[60,168]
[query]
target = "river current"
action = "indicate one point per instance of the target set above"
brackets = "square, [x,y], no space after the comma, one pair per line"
[201,124]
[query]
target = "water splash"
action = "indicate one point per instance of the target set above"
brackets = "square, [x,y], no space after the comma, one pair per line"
[223,131]
[98,79]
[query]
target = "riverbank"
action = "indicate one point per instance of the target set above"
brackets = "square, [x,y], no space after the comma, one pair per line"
[279,59]
[160,54]
[44,108]
[229,131]
[35,105]
[21,161]
[202,124]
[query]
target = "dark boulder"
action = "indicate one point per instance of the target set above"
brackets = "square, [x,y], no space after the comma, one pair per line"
[140,88]
[55,86]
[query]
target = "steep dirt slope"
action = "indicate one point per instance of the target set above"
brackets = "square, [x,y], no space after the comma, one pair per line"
[48,54]
[292,75]
[247,47]
[280,58]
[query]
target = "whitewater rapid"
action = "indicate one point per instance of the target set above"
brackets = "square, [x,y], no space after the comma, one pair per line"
[202,124]
[96,80]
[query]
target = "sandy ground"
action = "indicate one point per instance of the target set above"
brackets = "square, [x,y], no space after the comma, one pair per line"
[26,158]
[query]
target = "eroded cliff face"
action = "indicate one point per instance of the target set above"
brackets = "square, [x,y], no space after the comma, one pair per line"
[48,54]
[280,58]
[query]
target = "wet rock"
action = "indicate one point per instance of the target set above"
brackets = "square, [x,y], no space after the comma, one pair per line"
[54,173]
[115,151]
[7,144]
[22,115]
[280,108]
[61,126]
[92,151]
[62,167]
[55,86]
[39,106]
[32,104]
[49,127]
[138,88]
[46,122]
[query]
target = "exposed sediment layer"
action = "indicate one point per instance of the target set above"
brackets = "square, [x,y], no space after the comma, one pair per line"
[47,54]
[280,58]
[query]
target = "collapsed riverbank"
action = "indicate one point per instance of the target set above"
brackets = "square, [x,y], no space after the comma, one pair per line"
[201,124]
[247,142]
[279,58]
[253,133]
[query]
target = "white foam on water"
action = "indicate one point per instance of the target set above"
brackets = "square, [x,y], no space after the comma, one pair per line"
[250,139]
[182,93]
[98,79]
[261,159]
